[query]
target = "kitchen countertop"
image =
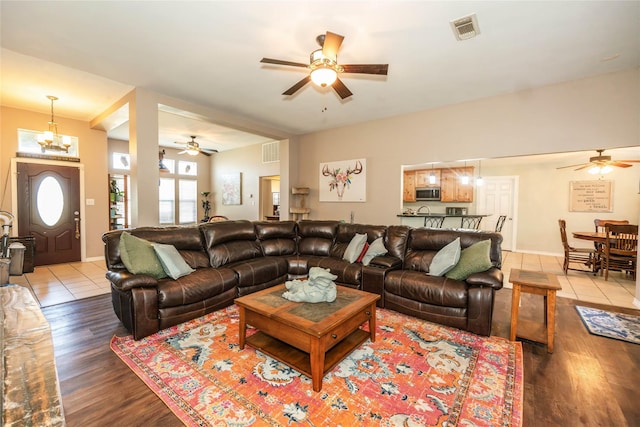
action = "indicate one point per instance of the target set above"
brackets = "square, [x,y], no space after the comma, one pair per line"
[439,215]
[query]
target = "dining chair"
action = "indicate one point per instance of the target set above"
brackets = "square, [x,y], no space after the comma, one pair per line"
[620,249]
[601,225]
[585,256]
[500,223]
[433,222]
[217,218]
[471,222]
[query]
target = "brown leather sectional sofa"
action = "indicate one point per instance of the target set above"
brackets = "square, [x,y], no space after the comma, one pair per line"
[234,258]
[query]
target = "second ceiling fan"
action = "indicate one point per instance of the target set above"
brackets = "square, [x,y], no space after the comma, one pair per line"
[324,67]
[193,148]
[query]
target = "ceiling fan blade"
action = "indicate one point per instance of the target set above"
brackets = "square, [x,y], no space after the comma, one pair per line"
[293,89]
[584,166]
[341,89]
[332,42]
[629,161]
[280,62]
[619,164]
[366,68]
[573,166]
[182,152]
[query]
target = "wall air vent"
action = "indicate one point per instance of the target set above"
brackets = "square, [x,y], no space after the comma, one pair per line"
[271,152]
[466,27]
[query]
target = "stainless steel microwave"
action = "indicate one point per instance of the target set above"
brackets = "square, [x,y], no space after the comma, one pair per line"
[428,193]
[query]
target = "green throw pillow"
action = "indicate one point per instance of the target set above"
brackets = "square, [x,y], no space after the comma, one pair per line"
[446,259]
[139,257]
[473,259]
[355,247]
[375,249]
[174,265]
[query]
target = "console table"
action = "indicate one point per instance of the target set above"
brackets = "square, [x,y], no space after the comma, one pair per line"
[30,391]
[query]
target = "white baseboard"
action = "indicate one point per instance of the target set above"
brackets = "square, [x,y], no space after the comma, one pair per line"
[93,259]
[636,302]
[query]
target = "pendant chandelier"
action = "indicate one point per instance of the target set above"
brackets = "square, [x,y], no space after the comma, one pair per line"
[50,139]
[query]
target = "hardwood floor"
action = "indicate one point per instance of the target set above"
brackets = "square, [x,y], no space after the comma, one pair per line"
[587,381]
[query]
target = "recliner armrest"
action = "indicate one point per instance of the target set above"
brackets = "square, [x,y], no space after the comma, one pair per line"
[386,261]
[492,277]
[126,281]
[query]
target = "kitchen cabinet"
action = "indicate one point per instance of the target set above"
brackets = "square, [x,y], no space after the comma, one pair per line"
[451,187]
[409,186]
[118,202]
[422,178]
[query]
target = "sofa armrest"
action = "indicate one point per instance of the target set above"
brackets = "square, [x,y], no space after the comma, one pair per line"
[125,281]
[386,262]
[492,277]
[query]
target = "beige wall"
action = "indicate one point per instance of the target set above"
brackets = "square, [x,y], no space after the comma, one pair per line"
[92,146]
[247,161]
[593,113]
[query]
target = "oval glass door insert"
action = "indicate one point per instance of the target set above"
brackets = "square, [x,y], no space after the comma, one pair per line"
[50,201]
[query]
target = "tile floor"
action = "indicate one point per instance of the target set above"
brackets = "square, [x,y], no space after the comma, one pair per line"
[59,283]
[618,291]
[56,284]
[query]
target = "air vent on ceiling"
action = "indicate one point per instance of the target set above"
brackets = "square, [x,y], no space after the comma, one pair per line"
[271,152]
[466,27]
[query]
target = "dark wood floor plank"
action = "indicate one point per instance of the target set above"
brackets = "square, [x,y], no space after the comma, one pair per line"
[587,381]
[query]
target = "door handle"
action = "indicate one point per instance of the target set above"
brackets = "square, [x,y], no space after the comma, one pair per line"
[77,220]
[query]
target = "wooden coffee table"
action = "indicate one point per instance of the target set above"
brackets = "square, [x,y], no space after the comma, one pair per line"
[310,338]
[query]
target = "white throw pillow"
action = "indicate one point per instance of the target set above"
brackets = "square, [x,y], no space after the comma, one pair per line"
[375,249]
[445,259]
[172,262]
[354,248]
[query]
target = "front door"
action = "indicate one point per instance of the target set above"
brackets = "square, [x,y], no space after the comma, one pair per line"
[49,210]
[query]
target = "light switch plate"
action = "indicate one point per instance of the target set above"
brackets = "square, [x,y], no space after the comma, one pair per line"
[90,202]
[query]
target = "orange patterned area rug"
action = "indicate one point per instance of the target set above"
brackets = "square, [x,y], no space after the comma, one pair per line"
[416,373]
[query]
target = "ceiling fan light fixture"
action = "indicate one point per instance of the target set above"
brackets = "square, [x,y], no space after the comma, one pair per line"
[600,170]
[324,76]
[192,151]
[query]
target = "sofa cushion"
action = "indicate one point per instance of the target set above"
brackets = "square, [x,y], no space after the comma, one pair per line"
[230,241]
[352,252]
[172,262]
[202,284]
[445,259]
[473,259]
[139,257]
[316,237]
[277,238]
[376,248]
[348,273]
[259,270]
[417,286]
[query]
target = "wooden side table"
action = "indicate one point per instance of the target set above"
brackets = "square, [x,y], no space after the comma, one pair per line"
[538,283]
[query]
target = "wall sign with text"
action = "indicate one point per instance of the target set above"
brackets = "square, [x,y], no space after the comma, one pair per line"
[591,196]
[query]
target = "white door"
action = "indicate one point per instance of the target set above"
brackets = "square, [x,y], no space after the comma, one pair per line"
[498,196]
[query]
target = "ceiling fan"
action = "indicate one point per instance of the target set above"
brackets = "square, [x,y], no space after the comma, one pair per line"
[193,148]
[601,164]
[324,67]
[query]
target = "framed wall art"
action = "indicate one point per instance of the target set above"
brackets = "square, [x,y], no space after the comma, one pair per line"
[343,181]
[591,196]
[232,189]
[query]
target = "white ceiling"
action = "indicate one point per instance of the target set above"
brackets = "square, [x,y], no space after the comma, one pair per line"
[207,53]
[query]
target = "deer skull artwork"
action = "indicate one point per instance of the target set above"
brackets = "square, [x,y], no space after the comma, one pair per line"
[341,180]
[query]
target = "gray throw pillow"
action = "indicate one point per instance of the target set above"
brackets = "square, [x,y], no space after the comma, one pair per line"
[445,259]
[473,259]
[355,247]
[172,262]
[139,257]
[375,249]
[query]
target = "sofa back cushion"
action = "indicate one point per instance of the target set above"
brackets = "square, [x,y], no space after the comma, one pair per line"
[423,244]
[187,240]
[346,232]
[396,240]
[230,241]
[316,237]
[277,238]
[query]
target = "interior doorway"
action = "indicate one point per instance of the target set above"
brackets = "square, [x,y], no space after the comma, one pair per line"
[498,196]
[269,198]
[48,208]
